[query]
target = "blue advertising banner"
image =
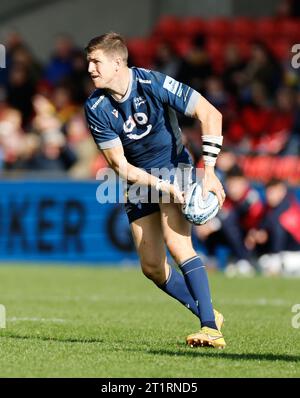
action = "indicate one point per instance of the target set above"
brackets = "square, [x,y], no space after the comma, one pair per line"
[62,221]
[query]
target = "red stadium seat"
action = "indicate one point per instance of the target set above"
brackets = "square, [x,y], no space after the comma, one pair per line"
[265,29]
[215,49]
[244,47]
[142,51]
[243,28]
[281,49]
[183,47]
[192,27]
[168,28]
[218,28]
[288,29]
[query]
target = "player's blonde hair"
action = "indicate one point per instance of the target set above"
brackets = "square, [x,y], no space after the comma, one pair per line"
[109,43]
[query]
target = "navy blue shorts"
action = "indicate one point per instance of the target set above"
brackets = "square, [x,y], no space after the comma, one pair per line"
[135,211]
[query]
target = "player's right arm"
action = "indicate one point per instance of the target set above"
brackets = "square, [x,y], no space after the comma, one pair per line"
[111,146]
[116,159]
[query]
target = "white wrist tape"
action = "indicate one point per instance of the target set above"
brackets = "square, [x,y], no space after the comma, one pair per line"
[211,148]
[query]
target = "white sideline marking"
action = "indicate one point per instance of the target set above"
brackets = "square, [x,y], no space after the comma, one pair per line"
[2,317]
[259,301]
[17,319]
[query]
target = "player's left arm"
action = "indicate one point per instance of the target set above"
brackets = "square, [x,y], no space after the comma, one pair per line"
[187,101]
[211,121]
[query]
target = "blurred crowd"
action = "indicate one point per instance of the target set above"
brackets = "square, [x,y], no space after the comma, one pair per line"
[242,66]
[42,125]
[257,230]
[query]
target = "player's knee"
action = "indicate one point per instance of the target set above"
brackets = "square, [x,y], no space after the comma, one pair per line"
[153,269]
[180,252]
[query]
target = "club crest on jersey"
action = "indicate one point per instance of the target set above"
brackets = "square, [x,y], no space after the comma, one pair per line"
[115,113]
[138,101]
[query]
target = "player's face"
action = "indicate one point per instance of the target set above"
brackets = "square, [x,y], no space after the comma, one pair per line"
[102,68]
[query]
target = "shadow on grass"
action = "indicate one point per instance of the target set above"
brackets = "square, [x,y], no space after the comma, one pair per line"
[56,339]
[182,351]
[208,352]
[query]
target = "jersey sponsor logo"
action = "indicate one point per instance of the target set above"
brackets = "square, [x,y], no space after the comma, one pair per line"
[143,81]
[139,118]
[139,136]
[171,84]
[138,101]
[98,102]
[115,113]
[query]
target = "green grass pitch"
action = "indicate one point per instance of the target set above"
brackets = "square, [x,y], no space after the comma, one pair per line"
[112,322]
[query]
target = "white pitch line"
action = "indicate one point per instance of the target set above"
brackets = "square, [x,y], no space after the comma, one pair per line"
[259,301]
[34,319]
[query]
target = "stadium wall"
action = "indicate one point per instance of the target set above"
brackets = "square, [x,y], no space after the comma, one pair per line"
[134,18]
[62,221]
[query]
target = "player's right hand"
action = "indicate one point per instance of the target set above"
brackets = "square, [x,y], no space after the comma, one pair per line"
[175,194]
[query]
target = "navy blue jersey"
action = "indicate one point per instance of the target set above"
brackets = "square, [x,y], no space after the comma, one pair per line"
[144,121]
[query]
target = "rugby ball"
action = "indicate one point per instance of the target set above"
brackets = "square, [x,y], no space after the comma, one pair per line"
[197,210]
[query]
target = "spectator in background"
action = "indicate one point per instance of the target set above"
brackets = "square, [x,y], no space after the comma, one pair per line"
[233,67]
[46,118]
[24,58]
[264,128]
[10,139]
[245,131]
[60,65]
[79,79]
[278,133]
[279,233]
[220,98]
[82,144]
[225,162]
[215,92]
[242,211]
[13,40]
[54,154]
[64,104]
[23,73]
[11,135]
[294,141]
[196,66]
[262,67]
[166,60]
[20,91]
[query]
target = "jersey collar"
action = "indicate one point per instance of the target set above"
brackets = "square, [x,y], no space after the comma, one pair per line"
[129,90]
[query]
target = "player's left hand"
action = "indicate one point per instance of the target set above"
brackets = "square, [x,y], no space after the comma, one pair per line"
[211,183]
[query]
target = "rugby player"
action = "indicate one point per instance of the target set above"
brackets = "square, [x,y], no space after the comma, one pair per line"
[132,117]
